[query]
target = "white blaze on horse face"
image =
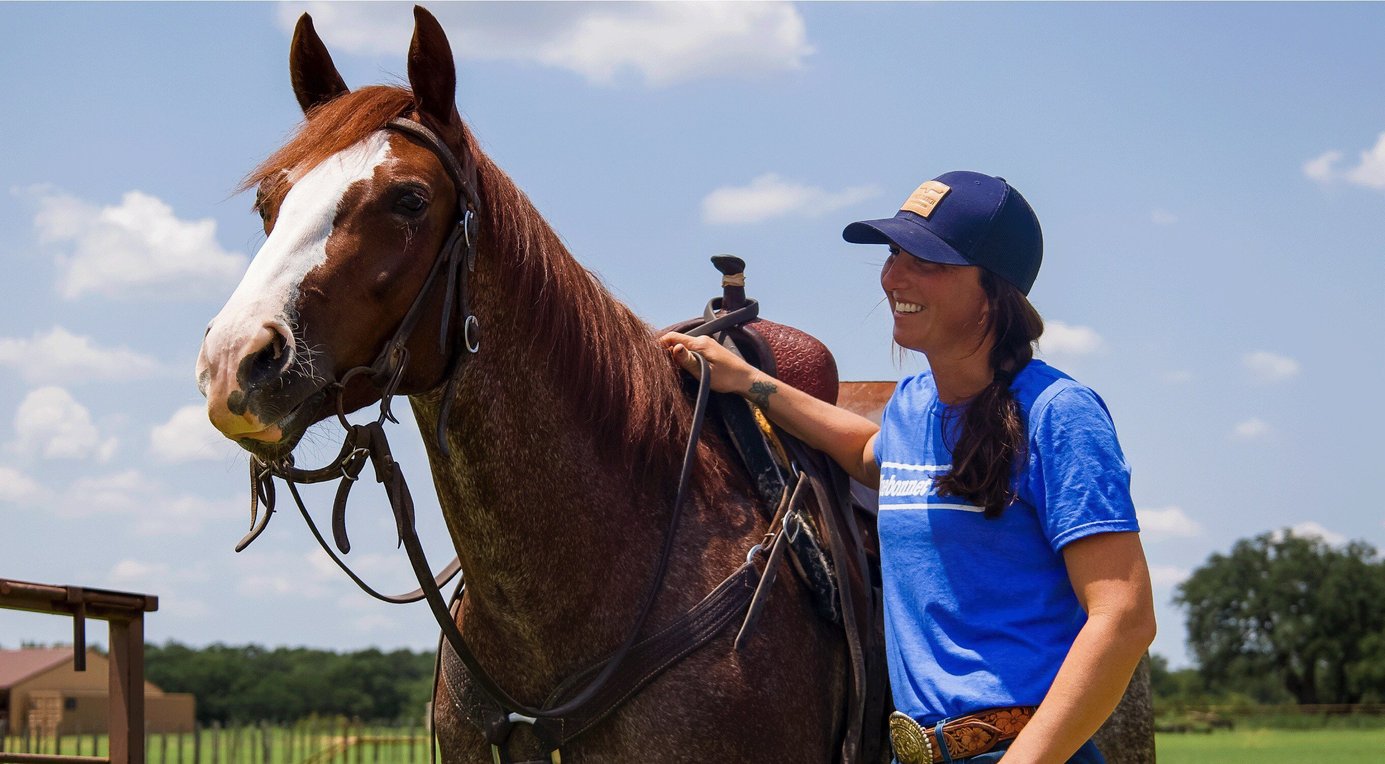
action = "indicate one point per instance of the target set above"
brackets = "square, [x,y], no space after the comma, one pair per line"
[262,303]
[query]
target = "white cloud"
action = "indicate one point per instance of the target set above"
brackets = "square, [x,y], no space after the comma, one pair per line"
[61,356]
[374,623]
[17,487]
[112,493]
[770,196]
[128,572]
[1270,367]
[165,581]
[156,510]
[1167,522]
[1251,429]
[661,43]
[1368,172]
[51,423]
[1323,168]
[1309,529]
[310,575]
[1062,338]
[1167,576]
[1163,217]
[188,436]
[137,248]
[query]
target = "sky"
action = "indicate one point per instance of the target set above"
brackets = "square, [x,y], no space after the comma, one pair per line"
[1210,180]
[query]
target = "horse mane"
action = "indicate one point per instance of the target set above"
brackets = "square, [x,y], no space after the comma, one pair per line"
[601,353]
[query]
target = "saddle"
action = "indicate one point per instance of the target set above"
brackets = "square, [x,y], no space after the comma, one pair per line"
[834,551]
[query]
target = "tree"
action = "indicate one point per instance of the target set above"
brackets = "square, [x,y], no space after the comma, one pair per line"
[252,683]
[1293,608]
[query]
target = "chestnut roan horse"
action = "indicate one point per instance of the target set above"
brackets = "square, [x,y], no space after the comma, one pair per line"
[554,441]
[563,435]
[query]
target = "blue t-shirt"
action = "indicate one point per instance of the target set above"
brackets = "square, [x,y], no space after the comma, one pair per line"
[979,613]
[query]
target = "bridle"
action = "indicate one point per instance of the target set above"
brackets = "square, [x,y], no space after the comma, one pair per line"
[560,722]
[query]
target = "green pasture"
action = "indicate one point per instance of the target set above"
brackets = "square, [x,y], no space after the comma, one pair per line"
[1272,746]
[258,744]
[382,745]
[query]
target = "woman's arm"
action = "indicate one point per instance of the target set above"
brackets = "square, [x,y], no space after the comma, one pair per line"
[1111,579]
[846,437]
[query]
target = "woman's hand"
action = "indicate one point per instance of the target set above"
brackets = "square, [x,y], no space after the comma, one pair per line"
[728,372]
[842,435]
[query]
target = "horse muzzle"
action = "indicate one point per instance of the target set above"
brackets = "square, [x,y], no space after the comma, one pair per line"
[256,390]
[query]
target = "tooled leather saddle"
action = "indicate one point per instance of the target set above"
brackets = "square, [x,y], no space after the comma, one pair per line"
[834,549]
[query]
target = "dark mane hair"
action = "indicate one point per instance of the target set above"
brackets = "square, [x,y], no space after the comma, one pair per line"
[991,435]
[627,386]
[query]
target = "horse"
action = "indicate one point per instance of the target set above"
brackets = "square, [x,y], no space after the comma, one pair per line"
[554,468]
[553,424]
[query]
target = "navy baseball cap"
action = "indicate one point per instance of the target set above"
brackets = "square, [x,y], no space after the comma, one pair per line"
[964,218]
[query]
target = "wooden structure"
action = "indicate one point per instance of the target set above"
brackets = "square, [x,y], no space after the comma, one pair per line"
[124,612]
[46,697]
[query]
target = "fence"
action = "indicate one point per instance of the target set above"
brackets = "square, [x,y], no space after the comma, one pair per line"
[124,611]
[312,741]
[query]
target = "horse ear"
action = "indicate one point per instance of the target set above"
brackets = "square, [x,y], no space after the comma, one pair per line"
[315,77]
[432,74]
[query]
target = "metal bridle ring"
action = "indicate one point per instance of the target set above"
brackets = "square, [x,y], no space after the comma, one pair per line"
[793,535]
[471,334]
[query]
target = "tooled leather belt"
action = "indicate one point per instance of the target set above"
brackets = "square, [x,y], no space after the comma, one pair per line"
[970,735]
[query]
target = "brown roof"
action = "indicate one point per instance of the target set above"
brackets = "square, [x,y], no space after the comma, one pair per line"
[18,665]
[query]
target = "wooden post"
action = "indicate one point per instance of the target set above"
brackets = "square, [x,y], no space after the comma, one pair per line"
[127,691]
[196,744]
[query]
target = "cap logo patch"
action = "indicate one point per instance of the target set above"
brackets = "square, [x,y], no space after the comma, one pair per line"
[925,198]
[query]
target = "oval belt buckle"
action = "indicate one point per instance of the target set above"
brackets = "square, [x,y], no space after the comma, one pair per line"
[911,744]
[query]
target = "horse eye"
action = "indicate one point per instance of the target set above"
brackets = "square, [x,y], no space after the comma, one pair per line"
[411,201]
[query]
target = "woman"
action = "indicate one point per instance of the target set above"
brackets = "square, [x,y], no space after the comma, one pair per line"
[1012,567]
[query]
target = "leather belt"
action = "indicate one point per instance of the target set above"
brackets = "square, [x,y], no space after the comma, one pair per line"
[970,735]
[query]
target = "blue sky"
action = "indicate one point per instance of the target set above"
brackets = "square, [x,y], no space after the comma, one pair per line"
[1210,179]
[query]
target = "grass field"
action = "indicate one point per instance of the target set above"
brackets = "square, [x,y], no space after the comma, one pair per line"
[312,743]
[1271,746]
[390,746]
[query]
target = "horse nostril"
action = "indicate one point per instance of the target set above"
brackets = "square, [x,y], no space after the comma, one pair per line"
[270,361]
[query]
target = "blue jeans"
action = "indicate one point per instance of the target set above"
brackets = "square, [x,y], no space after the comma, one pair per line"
[1087,754]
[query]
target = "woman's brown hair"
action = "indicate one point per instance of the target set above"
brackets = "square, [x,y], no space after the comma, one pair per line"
[991,433]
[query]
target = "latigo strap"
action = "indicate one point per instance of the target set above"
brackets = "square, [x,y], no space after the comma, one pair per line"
[970,735]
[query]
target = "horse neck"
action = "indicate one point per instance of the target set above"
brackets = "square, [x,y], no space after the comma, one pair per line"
[558,486]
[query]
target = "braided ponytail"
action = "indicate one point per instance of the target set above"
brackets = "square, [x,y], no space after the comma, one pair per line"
[992,437]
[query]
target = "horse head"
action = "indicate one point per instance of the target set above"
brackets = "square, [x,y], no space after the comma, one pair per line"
[356,214]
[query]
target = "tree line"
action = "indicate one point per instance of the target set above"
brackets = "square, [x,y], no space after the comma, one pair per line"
[1283,618]
[251,683]
[1280,618]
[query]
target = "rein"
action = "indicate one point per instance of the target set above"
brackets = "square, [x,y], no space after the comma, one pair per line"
[555,723]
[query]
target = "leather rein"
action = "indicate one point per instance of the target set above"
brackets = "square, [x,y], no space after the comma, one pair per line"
[557,723]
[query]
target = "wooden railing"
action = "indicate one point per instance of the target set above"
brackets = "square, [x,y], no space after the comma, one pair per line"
[124,612]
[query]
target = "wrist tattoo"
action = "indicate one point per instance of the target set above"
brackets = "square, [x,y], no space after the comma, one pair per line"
[760,391]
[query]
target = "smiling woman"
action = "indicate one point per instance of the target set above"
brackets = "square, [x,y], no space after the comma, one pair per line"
[1017,598]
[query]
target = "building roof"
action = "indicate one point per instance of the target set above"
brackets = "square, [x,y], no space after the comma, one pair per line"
[18,665]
